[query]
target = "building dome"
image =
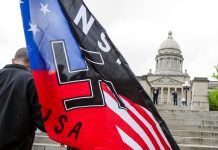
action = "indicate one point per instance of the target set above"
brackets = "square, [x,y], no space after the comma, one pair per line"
[169,43]
[169,59]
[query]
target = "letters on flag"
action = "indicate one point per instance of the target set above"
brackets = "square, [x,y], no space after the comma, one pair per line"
[90,98]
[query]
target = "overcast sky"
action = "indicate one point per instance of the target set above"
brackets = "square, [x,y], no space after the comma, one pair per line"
[138,28]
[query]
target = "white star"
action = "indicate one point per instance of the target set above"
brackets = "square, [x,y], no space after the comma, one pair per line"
[44,8]
[33,28]
[21,2]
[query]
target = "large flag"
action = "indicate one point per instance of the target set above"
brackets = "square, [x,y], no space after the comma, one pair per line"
[90,98]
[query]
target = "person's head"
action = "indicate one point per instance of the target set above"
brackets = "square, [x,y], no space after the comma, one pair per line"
[21,57]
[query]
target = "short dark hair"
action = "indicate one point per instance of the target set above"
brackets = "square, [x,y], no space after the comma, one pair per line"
[21,53]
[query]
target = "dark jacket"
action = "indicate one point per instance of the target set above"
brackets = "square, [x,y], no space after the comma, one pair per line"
[19,108]
[174,96]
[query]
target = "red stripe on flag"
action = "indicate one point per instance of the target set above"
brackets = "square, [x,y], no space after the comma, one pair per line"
[153,123]
[147,131]
[146,117]
[124,126]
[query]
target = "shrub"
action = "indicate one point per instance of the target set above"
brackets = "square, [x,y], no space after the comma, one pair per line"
[213,99]
[215,75]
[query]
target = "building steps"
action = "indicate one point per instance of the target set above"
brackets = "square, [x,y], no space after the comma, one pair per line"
[210,128]
[196,140]
[197,147]
[43,142]
[48,146]
[191,129]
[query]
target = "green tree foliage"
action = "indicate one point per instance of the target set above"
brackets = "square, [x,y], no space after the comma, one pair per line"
[213,99]
[215,75]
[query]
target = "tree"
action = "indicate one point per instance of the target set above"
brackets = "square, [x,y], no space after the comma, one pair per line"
[213,99]
[215,75]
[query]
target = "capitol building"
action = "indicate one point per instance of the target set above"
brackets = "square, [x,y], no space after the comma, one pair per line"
[169,77]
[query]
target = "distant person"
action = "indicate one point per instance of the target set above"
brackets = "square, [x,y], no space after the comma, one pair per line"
[155,95]
[183,101]
[174,98]
[20,112]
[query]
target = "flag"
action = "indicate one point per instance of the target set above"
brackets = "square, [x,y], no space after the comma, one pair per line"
[90,98]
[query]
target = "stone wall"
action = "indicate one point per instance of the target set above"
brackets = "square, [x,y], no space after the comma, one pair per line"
[145,84]
[200,95]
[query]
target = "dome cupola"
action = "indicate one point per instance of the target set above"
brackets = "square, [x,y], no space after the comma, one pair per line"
[169,59]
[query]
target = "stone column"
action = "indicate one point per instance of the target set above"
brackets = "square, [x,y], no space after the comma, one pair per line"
[162,94]
[181,65]
[164,62]
[156,64]
[182,94]
[168,96]
[177,62]
[200,95]
[171,63]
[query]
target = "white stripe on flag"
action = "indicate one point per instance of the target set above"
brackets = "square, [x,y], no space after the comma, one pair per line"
[145,122]
[112,104]
[158,126]
[128,140]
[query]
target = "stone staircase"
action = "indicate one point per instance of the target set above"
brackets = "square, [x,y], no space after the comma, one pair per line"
[191,130]
[43,142]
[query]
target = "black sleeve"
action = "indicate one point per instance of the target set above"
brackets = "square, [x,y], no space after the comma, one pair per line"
[35,107]
[71,148]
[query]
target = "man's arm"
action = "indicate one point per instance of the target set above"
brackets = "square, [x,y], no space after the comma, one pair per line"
[35,107]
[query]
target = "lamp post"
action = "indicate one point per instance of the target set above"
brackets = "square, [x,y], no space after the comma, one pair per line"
[186,87]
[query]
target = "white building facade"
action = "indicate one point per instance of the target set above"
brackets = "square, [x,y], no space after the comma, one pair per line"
[169,75]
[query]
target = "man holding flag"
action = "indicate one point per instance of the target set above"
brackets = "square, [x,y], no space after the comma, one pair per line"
[90,98]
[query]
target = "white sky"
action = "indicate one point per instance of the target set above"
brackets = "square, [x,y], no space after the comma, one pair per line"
[138,28]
